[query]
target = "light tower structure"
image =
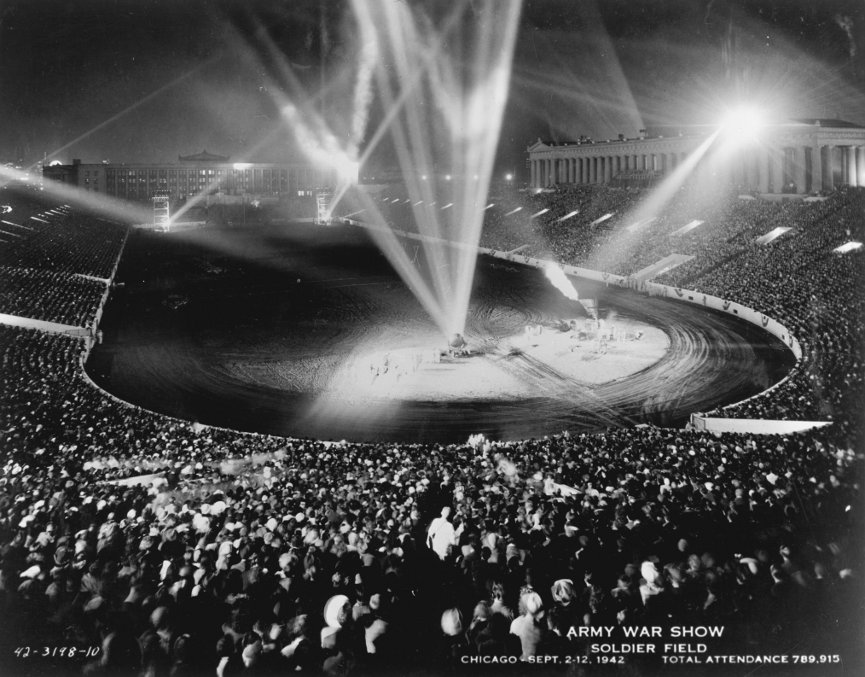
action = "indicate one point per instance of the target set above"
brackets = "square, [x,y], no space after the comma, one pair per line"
[161,210]
[323,199]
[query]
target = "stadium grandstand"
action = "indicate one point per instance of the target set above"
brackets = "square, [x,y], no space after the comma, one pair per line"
[143,544]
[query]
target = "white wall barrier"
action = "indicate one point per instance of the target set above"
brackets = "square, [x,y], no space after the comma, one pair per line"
[755,426]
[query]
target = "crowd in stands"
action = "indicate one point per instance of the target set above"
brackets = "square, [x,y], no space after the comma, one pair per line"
[55,263]
[818,295]
[253,554]
[62,241]
[53,297]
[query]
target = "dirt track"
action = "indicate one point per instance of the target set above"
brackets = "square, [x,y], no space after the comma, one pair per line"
[256,331]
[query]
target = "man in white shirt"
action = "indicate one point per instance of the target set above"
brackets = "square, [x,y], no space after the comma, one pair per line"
[441,535]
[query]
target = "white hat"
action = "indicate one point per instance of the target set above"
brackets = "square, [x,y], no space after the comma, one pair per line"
[332,609]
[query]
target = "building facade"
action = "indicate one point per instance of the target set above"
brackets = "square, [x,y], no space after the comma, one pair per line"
[801,156]
[191,175]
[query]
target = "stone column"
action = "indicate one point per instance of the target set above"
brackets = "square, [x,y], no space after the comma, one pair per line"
[777,159]
[799,169]
[860,165]
[531,173]
[816,169]
[572,170]
[851,166]
[828,168]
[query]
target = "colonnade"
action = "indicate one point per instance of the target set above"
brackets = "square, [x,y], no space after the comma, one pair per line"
[760,167]
[808,169]
[598,168]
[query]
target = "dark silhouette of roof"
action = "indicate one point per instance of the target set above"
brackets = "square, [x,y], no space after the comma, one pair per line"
[828,122]
[203,156]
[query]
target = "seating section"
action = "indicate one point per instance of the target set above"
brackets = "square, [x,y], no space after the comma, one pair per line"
[272,555]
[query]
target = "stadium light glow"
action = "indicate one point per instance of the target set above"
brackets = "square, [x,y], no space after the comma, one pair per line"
[742,123]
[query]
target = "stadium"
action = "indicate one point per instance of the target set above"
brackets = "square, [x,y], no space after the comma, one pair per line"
[603,416]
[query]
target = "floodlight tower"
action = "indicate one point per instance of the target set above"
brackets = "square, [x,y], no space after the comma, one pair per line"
[323,200]
[161,210]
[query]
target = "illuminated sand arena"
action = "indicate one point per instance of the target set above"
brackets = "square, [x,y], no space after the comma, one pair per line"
[551,362]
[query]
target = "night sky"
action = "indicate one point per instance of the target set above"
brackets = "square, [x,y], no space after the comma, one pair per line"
[203,73]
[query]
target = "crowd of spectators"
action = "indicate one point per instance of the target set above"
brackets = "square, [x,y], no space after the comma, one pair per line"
[817,294]
[55,263]
[179,549]
[49,296]
[61,240]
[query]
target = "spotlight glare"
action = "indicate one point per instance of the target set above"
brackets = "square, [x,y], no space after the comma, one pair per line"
[743,122]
